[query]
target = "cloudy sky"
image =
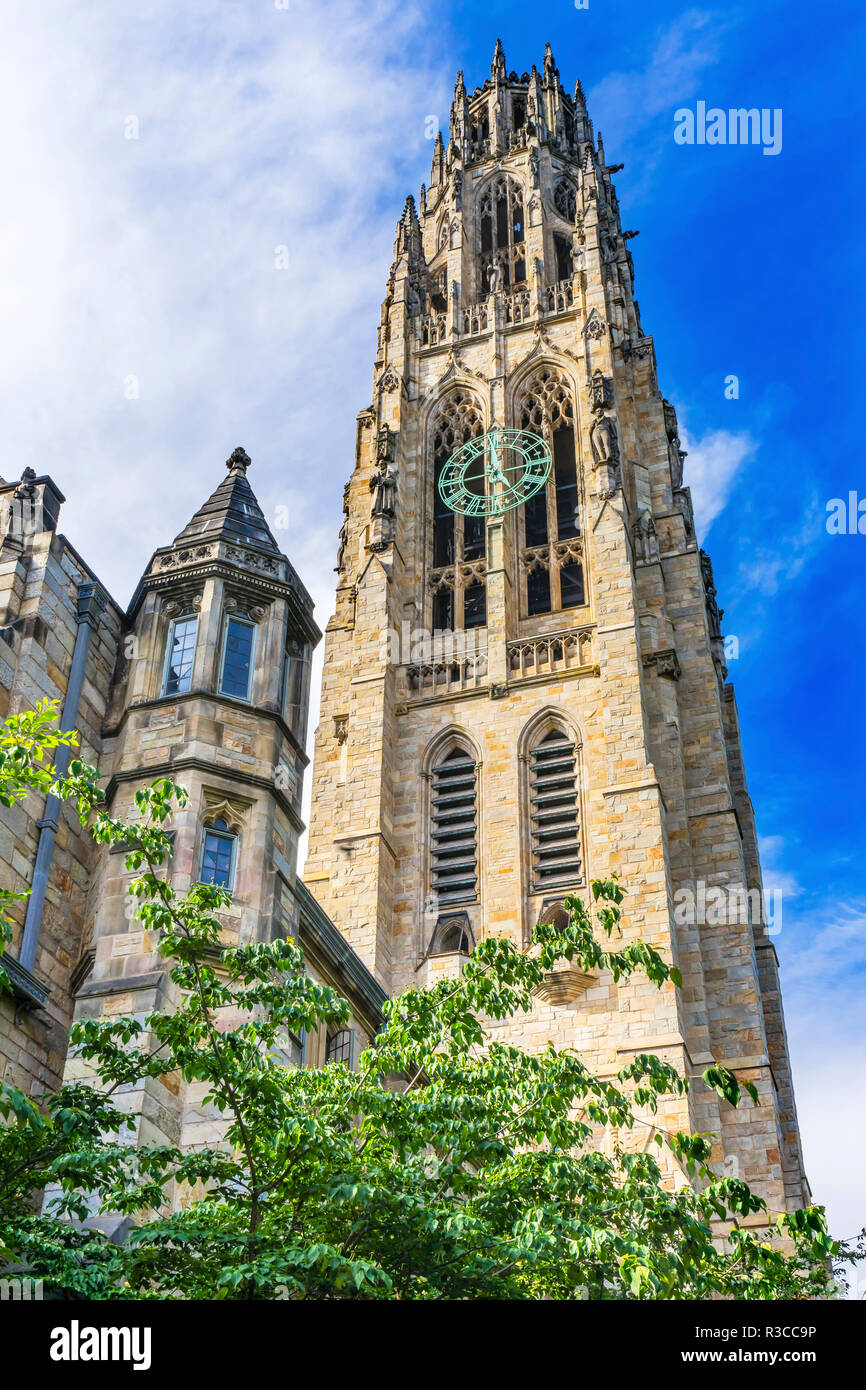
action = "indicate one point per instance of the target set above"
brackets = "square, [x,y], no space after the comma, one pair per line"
[156,160]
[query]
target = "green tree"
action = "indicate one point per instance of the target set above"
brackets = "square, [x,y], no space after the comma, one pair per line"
[448,1165]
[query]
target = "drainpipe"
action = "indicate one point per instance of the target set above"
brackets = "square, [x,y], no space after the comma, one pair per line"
[91,603]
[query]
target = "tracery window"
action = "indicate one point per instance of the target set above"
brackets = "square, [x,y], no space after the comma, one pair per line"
[501,233]
[551,546]
[458,574]
[565,199]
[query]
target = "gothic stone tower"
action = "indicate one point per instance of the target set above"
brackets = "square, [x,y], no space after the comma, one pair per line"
[579,722]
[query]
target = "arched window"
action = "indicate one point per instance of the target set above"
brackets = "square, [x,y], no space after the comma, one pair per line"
[501,233]
[554,813]
[180,653]
[218,853]
[459,542]
[552,552]
[454,829]
[565,199]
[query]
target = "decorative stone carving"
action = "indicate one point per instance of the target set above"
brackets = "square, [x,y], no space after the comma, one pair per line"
[595,326]
[675,453]
[341,728]
[683,500]
[389,380]
[665,662]
[600,390]
[26,490]
[344,534]
[385,445]
[714,612]
[646,545]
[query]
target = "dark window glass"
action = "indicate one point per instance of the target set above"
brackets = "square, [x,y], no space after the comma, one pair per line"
[563,258]
[517,225]
[443,520]
[474,605]
[536,519]
[571,585]
[473,537]
[217,855]
[439,293]
[443,610]
[486,233]
[502,221]
[339,1047]
[519,109]
[538,591]
[237,659]
[181,656]
[565,475]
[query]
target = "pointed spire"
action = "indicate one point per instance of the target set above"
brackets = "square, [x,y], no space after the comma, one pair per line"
[459,86]
[437,171]
[422,201]
[551,71]
[579,98]
[600,150]
[232,512]
[497,67]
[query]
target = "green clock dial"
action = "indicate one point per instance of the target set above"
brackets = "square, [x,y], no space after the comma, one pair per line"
[495,472]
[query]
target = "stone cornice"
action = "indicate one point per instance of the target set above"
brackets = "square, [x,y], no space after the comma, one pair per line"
[209,769]
[222,568]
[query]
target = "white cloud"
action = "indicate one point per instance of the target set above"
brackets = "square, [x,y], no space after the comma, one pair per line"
[823,974]
[153,258]
[714,461]
[624,105]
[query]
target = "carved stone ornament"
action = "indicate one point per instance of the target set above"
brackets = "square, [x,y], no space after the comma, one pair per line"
[600,390]
[386,443]
[389,380]
[341,728]
[665,662]
[595,326]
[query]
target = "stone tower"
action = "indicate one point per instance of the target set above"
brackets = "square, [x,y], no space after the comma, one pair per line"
[205,680]
[512,707]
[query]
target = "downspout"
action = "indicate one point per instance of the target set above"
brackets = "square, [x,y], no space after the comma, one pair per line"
[91,603]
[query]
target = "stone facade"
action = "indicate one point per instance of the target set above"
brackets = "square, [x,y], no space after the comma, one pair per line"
[154,702]
[583,627]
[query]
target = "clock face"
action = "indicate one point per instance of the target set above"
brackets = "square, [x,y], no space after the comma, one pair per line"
[495,472]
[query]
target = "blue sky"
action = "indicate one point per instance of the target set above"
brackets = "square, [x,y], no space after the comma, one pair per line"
[151,333]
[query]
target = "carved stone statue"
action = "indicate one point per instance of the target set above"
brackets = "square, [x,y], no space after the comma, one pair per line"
[675,453]
[603,440]
[383,486]
[341,549]
[26,489]
[714,613]
[646,543]
[494,278]
[534,164]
